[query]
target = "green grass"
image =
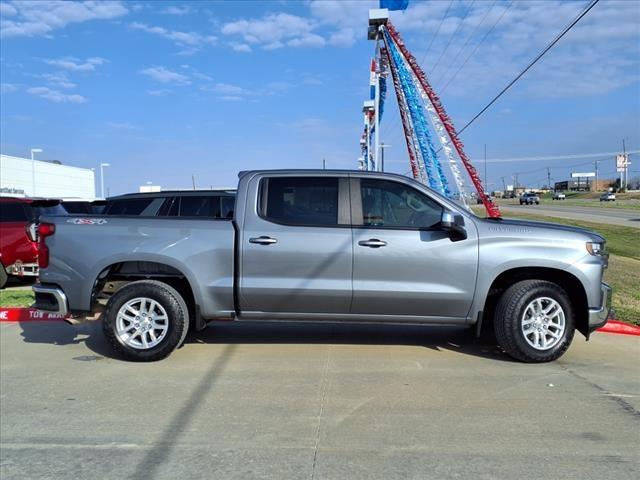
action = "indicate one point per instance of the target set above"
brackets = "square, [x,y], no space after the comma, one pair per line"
[623,275]
[16,298]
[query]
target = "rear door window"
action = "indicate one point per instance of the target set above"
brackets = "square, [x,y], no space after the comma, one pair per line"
[12,212]
[300,201]
[227,205]
[170,207]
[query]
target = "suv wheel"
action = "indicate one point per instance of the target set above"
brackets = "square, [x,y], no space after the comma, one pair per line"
[146,320]
[3,276]
[534,321]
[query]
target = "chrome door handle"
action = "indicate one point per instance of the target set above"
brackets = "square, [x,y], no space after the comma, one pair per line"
[372,242]
[263,240]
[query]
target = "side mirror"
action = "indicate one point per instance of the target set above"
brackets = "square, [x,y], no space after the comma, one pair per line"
[454,225]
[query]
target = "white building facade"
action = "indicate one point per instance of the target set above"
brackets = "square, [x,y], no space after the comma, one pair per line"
[22,177]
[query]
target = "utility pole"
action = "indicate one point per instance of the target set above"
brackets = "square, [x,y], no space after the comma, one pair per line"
[324,164]
[626,161]
[596,169]
[193,181]
[549,178]
[504,185]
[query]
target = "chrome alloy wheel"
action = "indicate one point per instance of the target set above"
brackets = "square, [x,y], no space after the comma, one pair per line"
[142,323]
[543,323]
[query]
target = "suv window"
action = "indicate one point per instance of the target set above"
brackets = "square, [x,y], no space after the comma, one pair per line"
[205,206]
[227,205]
[170,207]
[134,206]
[12,212]
[391,204]
[302,201]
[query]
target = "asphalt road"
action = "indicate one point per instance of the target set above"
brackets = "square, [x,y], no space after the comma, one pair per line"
[611,216]
[293,401]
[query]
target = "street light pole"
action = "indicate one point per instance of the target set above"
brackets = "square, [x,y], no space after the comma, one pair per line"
[33,170]
[102,165]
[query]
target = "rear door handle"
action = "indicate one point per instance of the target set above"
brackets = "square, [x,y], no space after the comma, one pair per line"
[372,242]
[264,240]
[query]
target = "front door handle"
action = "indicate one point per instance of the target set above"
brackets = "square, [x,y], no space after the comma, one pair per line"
[264,240]
[372,242]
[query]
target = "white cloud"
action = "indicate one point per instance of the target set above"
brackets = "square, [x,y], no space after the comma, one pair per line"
[175,10]
[231,98]
[164,75]
[159,93]
[58,79]
[241,47]
[274,31]
[55,95]
[226,89]
[30,18]
[600,54]
[191,40]
[75,65]
[8,88]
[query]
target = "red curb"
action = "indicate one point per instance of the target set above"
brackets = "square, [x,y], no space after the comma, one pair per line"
[616,326]
[17,314]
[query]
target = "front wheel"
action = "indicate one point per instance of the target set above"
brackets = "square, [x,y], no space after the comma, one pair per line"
[534,321]
[146,320]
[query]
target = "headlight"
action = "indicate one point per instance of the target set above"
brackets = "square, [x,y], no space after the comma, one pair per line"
[595,248]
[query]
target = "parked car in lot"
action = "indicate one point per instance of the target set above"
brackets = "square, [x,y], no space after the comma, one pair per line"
[608,197]
[529,199]
[18,247]
[337,246]
[188,203]
[559,196]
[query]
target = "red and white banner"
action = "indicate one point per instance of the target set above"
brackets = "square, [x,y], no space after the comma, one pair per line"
[10,314]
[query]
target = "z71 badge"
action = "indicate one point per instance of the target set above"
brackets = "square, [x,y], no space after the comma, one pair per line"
[87,221]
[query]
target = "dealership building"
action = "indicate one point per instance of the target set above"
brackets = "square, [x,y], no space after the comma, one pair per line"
[24,177]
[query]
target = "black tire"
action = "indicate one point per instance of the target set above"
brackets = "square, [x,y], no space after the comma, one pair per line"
[509,317]
[169,299]
[3,276]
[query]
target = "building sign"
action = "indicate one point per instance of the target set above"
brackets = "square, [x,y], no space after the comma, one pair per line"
[583,175]
[11,191]
[622,162]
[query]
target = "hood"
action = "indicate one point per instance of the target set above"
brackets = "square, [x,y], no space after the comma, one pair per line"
[502,222]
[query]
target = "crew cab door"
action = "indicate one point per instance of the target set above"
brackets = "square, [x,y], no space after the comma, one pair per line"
[404,265]
[296,246]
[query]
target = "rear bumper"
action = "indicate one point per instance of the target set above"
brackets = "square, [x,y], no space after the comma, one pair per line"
[50,299]
[598,316]
[22,269]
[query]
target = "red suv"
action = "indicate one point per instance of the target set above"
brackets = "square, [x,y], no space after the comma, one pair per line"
[18,243]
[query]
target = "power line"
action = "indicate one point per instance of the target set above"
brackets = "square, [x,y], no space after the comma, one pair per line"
[477,47]
[532,63]
[437,31]
[558,157]
[473,32]
[452,37]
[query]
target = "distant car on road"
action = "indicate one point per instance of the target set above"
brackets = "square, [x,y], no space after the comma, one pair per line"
[529,199]
[608,197]
[559,196]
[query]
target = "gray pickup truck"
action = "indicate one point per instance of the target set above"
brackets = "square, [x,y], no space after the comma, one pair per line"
[326,246]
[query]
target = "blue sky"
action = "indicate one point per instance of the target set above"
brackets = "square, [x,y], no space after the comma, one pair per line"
[166,90]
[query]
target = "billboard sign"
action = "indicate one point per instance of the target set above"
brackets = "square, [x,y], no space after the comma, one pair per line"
[583,175]
[622,162]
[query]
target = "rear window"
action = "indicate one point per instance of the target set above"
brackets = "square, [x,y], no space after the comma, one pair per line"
[77,207]
[37,211]
[302,201]
[12,212]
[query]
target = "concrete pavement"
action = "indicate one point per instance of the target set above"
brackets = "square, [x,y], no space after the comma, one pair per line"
[611,216]
[291,401]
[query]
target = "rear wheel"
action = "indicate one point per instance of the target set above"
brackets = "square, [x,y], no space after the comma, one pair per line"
[146,320]
[534,321]
[3,276]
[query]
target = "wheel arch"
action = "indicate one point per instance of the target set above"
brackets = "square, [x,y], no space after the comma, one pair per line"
[569,282]
[127,271]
